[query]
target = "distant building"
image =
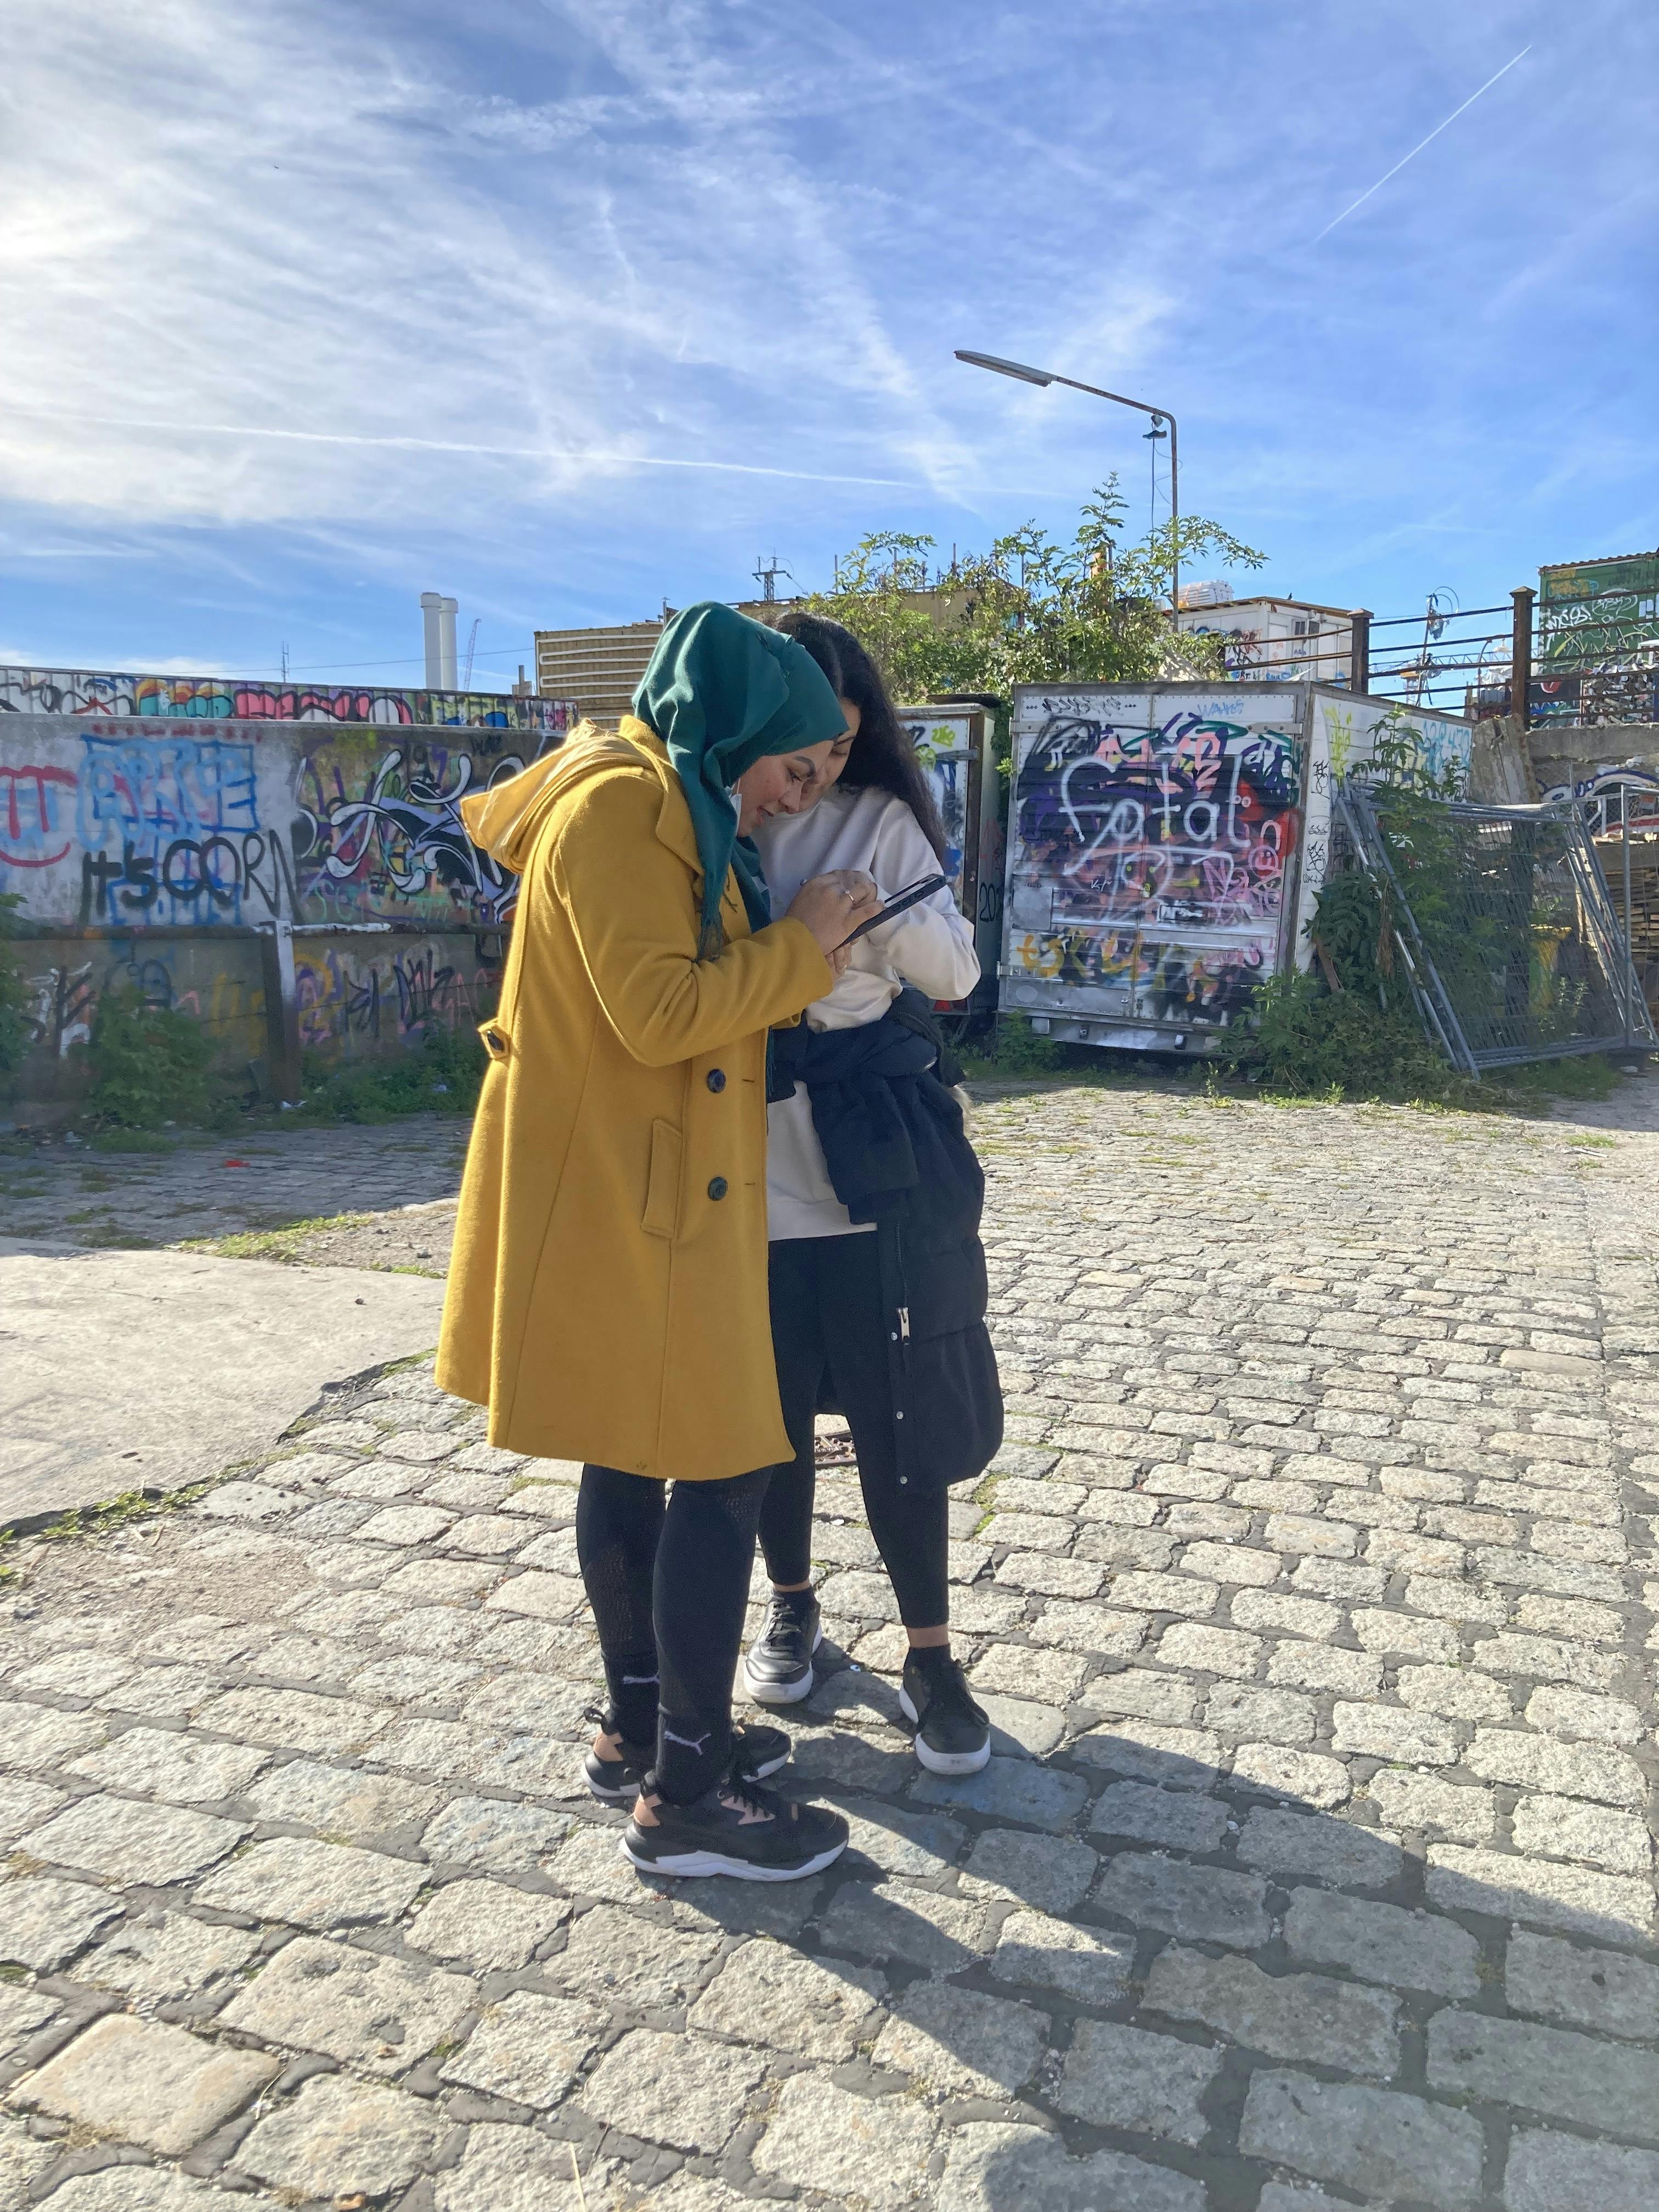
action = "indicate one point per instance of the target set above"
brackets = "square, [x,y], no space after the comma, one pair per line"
[1266,638]
[598,670]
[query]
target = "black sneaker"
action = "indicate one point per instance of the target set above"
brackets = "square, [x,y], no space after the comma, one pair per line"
[777,1667]
[759,1751]
[953,1735]
[738,1829]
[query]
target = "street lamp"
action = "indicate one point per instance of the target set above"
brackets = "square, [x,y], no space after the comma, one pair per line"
[1160,416]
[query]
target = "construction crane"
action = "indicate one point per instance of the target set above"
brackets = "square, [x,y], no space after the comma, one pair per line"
[471,640]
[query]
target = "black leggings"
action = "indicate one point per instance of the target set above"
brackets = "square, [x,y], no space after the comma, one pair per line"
[667,1576]
[828,1321]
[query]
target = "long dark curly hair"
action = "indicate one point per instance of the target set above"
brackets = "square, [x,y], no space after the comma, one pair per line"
[882,758]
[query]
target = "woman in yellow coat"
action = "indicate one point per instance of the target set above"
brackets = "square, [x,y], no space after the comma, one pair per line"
[608,1291]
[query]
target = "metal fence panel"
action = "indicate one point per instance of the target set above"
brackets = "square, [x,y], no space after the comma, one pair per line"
[1504,917]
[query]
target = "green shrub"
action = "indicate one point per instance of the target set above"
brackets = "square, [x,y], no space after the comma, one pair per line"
[148,1065]
[1309,1041]
[441,1077]
[1013,1047]
[15,1030]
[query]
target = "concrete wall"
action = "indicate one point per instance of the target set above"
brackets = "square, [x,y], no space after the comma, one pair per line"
[297,886]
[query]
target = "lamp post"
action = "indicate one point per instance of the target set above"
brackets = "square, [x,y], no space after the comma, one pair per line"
[1159,415]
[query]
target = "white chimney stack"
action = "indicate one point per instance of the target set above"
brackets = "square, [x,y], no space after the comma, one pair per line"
[438,617]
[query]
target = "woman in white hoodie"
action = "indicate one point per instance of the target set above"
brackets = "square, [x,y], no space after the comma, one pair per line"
[869,811]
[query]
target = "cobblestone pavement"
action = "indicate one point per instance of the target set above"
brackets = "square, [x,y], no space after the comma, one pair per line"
[213,1187]
[1313,1869]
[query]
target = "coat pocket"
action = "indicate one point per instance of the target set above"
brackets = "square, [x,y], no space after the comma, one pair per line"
[662,1190]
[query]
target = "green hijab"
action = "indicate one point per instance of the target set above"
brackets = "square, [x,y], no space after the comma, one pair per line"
[722,692]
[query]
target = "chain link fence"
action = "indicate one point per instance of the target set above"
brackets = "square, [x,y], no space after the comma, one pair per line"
[1503,923]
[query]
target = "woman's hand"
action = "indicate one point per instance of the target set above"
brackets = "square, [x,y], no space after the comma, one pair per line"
[832,907]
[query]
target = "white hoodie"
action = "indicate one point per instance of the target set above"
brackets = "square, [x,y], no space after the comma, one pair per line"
[930,947]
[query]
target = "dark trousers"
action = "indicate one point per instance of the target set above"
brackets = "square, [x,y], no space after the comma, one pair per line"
[666,1572]
[828,1324]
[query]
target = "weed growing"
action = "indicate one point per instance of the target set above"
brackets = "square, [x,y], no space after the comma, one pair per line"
[442,1076]
[147,1065]
[14,1027]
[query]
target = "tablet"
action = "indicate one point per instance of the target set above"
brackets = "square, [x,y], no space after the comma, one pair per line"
[912,895]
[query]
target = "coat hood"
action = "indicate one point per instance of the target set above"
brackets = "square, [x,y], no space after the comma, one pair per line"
[506,820]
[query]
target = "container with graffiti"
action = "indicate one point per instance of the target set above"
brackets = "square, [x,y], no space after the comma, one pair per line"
[953,743]
[1166,846]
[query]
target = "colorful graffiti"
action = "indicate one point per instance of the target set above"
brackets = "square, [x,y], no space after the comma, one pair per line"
[218,698]
[1150,857]
[1609,796]
[168,829]
[1184,822]
[384,836]
[35,803]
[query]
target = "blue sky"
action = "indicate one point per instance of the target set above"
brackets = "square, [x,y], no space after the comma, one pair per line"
[566,307]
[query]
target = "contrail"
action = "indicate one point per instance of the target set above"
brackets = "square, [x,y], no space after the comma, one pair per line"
[449,445]
[1418,149]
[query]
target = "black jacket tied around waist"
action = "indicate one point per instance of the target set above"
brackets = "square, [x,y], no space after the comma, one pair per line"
[898,1154]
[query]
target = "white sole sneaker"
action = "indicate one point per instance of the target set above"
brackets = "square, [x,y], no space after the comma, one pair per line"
[782,1694]
[942,1762]
[685,1864]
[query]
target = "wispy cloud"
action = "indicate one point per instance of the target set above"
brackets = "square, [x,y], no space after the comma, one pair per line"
[587,457]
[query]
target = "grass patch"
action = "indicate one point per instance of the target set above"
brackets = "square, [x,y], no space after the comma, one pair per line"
[1012,1048]
[129,1140]
[282,1244]
[119,1512]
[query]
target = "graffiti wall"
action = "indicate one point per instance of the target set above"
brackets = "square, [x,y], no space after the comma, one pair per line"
[153,823]
[1151,835]
[168,858]
[1346,735]
[218,698]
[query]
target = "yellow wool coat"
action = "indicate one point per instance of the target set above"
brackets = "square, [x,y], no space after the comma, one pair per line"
[608,1292]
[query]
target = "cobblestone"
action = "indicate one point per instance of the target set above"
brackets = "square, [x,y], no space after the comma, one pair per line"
[1313,1864]
[145,2083]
